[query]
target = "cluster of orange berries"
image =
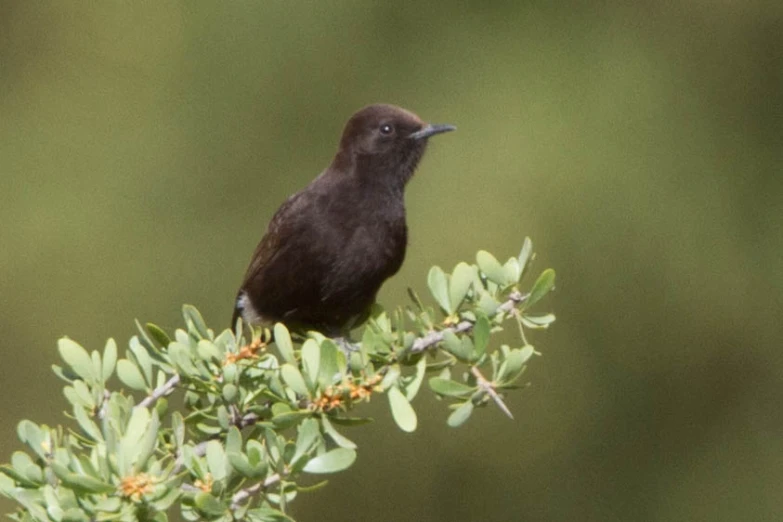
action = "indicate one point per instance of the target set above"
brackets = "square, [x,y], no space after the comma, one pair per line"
[249,351]
[136,486]
[335,396]
[206,484]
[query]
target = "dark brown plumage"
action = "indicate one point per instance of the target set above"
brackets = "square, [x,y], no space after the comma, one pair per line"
[330,247]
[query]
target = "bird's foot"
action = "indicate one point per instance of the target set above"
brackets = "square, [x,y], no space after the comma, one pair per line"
[346,346]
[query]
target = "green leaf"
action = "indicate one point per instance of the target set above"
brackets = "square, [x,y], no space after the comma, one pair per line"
[230,393]
[450,388]
[308,435]
[80,482]
[20,480]
[208,352]
[267,514]
[542,286]
[416,299]
[525,255]
[157,333]
[209,505]
[109,359]
[37,438]
[451,342]
[77,358]
[217,462]
[242,464]
[74,515]
[461,348]
[130,375]
[223,417]
[412,387]
[311,360]
[178,428]
[332,461]
[436,280]
[143,360]
[351,421]
[130,449]
[181,359]
[284,344]
[79,394]
[491,267]
[512,271]
[336,436]
[24,468]
[540,322]
[401,409]
[233,439]
[279,408]
[193,317]
[293,378]
[459,285]
[515,360]
[487,303]
[460,415]
[286,420]
[481,332]
[256,453]
[65,374]
[110,504]
[149,441]
[86,424]
[163,503]
[329,367]
[390,379]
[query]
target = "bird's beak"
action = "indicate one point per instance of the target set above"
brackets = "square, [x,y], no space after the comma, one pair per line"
[431,129]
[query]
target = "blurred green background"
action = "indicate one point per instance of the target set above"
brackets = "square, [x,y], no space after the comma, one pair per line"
[144,146]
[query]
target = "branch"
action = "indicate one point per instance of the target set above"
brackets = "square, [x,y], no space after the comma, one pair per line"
[157,393]
[435,336]
[243,494]
[489,387]
[421,344]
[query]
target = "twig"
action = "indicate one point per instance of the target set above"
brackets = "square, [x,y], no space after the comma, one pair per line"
[489,387]
[157,393]
[435,336]
[104,405]
[243,494]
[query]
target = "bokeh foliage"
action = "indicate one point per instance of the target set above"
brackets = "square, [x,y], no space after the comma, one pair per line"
[144,146]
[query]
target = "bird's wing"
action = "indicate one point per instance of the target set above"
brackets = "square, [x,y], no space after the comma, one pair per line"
[274,239]
[284,272]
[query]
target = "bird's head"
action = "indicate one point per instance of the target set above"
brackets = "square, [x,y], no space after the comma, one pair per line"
[388,139]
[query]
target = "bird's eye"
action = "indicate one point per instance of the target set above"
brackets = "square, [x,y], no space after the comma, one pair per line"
[387,129]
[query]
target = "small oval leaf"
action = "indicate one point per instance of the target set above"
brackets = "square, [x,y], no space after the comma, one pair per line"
[461,279]
[284,344]
[293,378]
[450,388]
[130,375]
[525,255]
[491,267]
[460,415]
[436,280]
[76,357]
[332,461]
[109,359]
[402,411]
[542,286]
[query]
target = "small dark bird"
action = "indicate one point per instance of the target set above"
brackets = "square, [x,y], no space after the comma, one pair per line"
[330,247]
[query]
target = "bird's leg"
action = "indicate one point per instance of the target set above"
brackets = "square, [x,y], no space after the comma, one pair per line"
[345,344]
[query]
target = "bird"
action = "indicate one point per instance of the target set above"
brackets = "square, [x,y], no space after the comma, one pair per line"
[329,247]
